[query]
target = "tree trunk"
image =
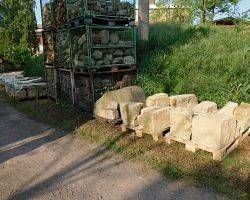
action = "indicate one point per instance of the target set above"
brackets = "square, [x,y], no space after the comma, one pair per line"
[203,11]
[143,20]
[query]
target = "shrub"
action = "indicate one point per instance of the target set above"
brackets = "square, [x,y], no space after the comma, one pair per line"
[212,62]
[34,66]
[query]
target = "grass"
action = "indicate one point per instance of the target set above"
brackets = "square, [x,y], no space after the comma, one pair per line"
[229,177]
[212,62]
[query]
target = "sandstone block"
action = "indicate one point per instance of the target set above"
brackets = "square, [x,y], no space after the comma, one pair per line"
[129,113]
[181,123]
[109,114]
[127,94]
[242,114]
[205,107]
[160,99]
[154,120]
[112,105]
[228,108]
[213,131]
[184,101]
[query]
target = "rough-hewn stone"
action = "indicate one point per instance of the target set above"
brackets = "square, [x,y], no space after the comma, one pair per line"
[213,131]
[129,113]
[242,114]
[127,94]
[181,123]
[160,99]
[205,107]
[154,120]
[184,101]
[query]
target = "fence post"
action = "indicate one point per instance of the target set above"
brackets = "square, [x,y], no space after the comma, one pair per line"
[143,20]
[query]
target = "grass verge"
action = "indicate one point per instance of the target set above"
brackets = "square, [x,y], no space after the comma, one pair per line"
[229,177]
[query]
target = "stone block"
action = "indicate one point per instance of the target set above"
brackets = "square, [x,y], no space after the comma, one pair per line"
[181,123]
[129,113]
[213,131]
[109,114]
[184,101]
[205,107]
[127,94]
[112,105]
[160,99]
[154,120]
[242,114]
[228,109]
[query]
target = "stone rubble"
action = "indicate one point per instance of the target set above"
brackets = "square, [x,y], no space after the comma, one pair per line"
[160,99]
[184,101]
[205,107]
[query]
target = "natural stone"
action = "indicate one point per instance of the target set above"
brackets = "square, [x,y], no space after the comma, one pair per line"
[154,120]
[184,101]
[104,37]
[213,131]
[97,55]
[118,52]
[161,99]
[118,60]
[129,113]
[242,114]
[205,107]
[114,38]
[129,60]
[181,123]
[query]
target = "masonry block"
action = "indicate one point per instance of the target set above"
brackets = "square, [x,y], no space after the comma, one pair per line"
[160,99]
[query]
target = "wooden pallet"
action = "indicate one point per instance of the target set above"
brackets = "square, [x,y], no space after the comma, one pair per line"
[218,155]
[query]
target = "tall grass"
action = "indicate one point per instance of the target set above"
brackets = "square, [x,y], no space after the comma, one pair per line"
[34,66]
[212,62]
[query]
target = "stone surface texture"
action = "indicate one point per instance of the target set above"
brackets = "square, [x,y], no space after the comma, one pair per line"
[242,114]
[181,123]
[184,101]
[127,94]
[205,107]
[129,113]
[154,120]
[160,99]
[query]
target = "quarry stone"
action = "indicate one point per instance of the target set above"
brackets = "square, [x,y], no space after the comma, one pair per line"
[213,131]
[161,99]
[242,114]
[129,113]
[181,123]
[228,109]
[129,60]
[104,37]
[114,38]
[184,101]
[154,120]
[127,94]
[205,107]
[97,55]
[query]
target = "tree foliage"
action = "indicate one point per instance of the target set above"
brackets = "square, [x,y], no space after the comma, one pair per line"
[18,29]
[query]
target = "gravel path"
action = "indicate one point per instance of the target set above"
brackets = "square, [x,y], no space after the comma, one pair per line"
[39,163]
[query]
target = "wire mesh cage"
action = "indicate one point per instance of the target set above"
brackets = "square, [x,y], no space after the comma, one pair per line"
[47,12]
[75,9]
[90,87]
[48,43]
[111,8]
[103,46]
[66,92]
[80,47]
[52,81]
[60,12]
[62,48]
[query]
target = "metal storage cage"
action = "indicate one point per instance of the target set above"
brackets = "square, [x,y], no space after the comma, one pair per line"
[75,9]
[47,12]
[60,12]
[90,87]
[66,86]
[48,43]
[52,81]
[62,49]
[103,46]
[110,8]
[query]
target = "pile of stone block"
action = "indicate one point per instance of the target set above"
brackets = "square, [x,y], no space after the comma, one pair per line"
[197,125]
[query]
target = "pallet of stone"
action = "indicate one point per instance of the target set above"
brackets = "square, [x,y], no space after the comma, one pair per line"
[47,13]
[218,155]
[52,80]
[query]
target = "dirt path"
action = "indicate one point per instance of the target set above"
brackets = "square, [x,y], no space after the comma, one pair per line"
[38,163]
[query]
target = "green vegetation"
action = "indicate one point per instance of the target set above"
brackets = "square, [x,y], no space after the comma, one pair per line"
[229,177]
[34,66]
[212,62]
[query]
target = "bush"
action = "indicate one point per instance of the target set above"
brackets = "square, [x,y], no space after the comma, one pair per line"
[34,66]
[212,62]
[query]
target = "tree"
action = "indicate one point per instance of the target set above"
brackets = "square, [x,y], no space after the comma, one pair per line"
[18,27]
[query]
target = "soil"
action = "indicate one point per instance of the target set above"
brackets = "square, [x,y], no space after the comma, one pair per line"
[38,162]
